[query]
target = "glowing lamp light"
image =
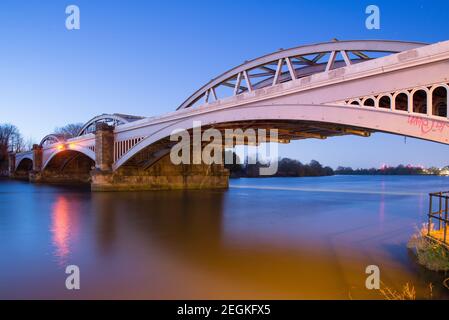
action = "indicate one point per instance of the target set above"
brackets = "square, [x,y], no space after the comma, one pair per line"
[72,146]
[60,147]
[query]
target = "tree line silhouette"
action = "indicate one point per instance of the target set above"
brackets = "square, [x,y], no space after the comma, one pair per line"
[293,168]
[399,170]
[286,168]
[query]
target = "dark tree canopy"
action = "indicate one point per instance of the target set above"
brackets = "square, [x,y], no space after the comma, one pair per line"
[70,130]
[10,138]
[399,170]
[10,141]
[286,168]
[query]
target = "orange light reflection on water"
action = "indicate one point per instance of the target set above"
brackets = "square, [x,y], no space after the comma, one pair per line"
[63,229]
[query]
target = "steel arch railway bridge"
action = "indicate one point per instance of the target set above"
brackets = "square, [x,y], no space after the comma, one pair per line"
[314,91]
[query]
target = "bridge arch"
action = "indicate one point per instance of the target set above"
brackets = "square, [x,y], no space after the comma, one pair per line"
[293,64]
[413,100]
[440,100]
[23,156]
[52,139]
[385,101]
[69,148]
[401,100]
[370,101]
[327,116]
[68,165]
[114,119]
[24,166]
[420,100]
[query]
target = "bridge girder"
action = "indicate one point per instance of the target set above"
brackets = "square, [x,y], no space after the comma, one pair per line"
[295,63]
[325,118]
[52,138]
[115,119]
[71,148]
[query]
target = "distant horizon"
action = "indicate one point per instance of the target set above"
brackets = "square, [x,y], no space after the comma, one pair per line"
[385,165]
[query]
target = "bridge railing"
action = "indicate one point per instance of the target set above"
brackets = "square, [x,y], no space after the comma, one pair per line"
[438,221]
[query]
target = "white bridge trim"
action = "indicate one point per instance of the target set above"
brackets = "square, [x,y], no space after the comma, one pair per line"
[366,118]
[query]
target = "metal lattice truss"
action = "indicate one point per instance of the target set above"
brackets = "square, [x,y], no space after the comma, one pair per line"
[52,139]
[293,64]
[114,119]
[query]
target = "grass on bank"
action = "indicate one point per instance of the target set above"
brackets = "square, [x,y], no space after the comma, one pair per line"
[408,292]
[431,254]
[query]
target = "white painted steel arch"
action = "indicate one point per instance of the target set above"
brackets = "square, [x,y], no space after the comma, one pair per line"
[52,138]
[307,60]
[86,151]
[22,156]
[381,120]
[118,119]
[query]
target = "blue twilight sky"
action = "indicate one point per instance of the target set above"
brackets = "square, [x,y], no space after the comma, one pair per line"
[146,57]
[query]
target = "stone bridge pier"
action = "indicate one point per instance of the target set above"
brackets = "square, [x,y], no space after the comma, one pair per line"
[35,175]
[12,164]
[162,175]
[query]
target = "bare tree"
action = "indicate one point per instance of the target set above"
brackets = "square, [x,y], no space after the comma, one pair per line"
[28,145]
[10,139]
[70,130]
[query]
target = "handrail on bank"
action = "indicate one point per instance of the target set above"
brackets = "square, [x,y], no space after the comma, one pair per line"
[438,221]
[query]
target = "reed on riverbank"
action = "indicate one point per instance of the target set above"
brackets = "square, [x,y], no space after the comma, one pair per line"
[431,254]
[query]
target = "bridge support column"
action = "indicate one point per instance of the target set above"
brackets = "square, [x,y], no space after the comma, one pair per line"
[11,164]
[36,173]
[37,158]
[104,155]
[104,147]
[163,175]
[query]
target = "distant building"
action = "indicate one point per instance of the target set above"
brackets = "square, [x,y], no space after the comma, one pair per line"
[444,171]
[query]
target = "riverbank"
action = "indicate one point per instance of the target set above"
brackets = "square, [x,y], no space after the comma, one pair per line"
[430,253]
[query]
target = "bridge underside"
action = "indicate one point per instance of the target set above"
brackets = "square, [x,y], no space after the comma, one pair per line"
[23,169]
[152,169]
[288,130]
[67,167]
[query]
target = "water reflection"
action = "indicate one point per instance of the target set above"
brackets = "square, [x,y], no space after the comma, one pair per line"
[277,242]
[186,236]
[382,205]
[105,208]
[174,218]
[64,228]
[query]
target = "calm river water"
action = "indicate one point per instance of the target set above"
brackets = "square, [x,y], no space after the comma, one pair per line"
[262,238]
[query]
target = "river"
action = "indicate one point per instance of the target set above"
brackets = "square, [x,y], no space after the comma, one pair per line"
[267,238]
